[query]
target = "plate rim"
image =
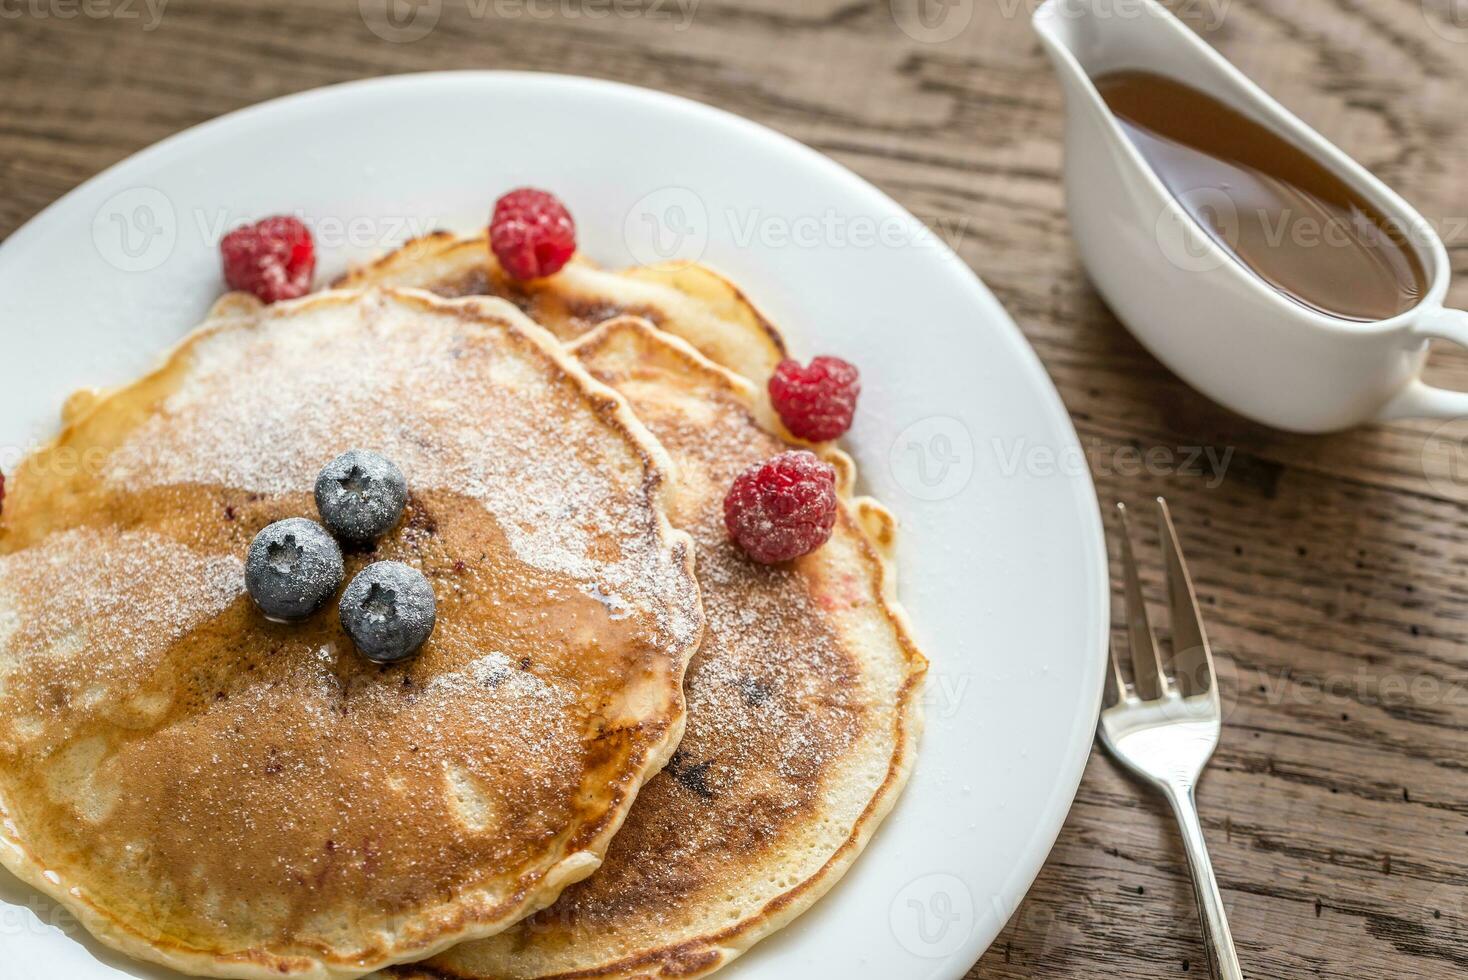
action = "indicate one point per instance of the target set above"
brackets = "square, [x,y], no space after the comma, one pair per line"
[1069,775]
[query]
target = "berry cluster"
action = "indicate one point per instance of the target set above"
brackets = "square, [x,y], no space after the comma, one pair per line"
[775,511]
[785,507]
[294,566]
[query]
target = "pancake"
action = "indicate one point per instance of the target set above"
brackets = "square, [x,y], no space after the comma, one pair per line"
[687,300]
[804,710]
[233,797]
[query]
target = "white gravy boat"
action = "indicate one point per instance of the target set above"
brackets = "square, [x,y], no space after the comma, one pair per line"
[1189,301]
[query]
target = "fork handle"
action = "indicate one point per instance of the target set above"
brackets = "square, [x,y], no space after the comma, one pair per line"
[1217,939]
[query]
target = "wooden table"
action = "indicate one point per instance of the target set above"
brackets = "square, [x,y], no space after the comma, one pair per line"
[1333,570]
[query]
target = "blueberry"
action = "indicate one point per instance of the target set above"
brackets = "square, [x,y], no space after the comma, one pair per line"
[292,568]
[389,611]
[360,495]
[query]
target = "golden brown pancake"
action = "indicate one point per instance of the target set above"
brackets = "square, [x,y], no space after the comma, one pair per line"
[689,301]
[803,715]
[233,797]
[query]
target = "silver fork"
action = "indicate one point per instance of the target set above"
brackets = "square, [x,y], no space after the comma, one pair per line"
[1164,728]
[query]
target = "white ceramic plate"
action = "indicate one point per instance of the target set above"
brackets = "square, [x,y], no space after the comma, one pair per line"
[960,432]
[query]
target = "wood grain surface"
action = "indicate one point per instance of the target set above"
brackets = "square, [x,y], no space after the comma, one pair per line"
[1333,570]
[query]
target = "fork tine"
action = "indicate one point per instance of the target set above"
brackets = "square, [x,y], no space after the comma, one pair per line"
[1192,661]
[1115,691]
[1147,676]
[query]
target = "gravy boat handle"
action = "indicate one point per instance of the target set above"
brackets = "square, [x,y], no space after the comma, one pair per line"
[1419,400]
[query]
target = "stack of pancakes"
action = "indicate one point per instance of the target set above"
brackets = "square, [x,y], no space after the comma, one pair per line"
[627,750]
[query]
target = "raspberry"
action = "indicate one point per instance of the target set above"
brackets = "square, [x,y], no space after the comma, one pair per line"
[531,233]
[782,508]
[815,402]
[274,259]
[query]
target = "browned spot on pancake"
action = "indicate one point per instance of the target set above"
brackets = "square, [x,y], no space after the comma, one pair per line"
[474,283]
[687,963]
[589,313]
[566,316]
[690,775]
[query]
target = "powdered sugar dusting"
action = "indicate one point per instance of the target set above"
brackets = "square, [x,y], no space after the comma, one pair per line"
[130,593]
[264,408]
[496,672]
